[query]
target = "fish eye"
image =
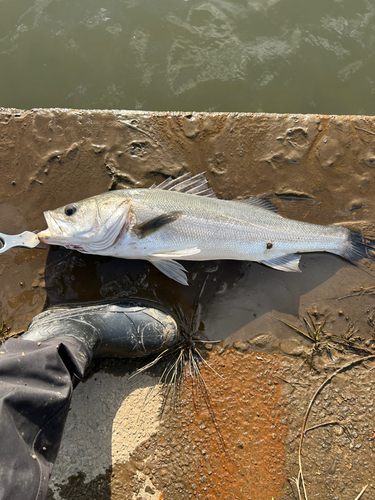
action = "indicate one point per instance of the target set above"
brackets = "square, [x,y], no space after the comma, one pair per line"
[70,210]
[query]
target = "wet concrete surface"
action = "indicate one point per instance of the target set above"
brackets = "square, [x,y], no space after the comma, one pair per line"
[314,168]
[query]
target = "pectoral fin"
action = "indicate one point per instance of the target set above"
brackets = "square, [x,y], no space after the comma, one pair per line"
[155,224]
[288,263]
[172,269]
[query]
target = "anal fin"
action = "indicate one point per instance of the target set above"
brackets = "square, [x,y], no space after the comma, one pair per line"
[288,263]
[172,269]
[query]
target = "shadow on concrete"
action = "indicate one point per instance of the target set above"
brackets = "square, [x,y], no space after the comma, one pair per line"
[110,416]
[226,295]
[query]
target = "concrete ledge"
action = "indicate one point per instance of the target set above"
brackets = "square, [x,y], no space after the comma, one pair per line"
[314,168]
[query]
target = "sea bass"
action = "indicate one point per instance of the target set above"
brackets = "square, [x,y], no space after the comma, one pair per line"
[181,219]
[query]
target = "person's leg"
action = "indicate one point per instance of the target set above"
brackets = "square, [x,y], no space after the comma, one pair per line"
[39,371]
[35,392]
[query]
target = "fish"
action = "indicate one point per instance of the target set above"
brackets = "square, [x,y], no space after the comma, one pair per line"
[182,219]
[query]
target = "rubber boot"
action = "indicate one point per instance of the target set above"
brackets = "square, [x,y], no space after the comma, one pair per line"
[121,329]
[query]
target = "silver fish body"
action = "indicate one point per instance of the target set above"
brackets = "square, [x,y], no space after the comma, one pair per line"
[170,222]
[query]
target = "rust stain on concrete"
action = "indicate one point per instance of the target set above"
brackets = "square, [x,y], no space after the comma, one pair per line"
[250,420]
[236,454]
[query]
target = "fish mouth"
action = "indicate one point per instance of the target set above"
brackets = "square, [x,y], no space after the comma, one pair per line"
[98,237]
[44,236]
[54,231]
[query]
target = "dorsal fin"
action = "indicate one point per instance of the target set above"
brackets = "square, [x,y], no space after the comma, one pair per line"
[261,203]
[197,185]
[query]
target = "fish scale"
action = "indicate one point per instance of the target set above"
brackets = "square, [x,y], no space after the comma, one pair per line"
[231,230]
[183,220]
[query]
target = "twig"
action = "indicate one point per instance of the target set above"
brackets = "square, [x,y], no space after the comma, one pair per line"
[291,383]
[303,430]
[134,127]
[324,424]
[361,492]
[295,328]
[357,292]
[296,483]
[368,132]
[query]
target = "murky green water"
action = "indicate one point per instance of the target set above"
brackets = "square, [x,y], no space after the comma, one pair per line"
[250,55]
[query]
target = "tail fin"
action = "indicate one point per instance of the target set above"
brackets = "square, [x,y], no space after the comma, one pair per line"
[359,248]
